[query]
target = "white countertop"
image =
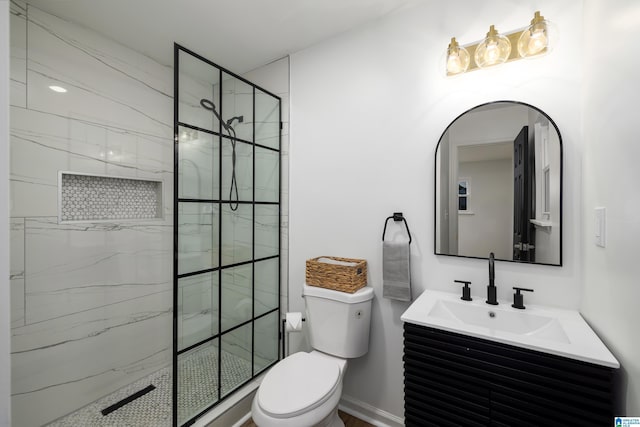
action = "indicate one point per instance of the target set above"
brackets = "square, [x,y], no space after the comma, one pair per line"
[579,341]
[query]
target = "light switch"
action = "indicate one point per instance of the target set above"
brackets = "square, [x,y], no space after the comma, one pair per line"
[600,227]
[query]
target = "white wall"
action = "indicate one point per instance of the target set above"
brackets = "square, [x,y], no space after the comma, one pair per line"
[611,176]
[5,310]
[368,108]
[472,129]
[487,228]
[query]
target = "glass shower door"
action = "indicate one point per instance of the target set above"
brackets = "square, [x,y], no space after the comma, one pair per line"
[227,234]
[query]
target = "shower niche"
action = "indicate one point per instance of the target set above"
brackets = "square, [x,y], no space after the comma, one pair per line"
[84,197]
[226,233]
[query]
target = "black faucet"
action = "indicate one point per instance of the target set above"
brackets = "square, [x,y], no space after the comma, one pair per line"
[518,299]
[491,289]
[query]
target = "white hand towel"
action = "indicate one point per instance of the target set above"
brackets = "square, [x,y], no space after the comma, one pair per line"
[337,262]
[396,270]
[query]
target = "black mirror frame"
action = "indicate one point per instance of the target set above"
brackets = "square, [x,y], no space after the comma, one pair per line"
[435,184]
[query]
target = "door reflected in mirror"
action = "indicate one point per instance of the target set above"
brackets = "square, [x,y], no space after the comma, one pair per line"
[498,185]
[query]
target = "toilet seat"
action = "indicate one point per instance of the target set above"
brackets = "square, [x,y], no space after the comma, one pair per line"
[298,384]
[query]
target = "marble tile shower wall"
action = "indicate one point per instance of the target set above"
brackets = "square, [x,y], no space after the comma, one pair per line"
[91,302]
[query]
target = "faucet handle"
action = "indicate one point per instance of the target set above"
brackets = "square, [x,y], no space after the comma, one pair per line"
[518,299]
[466,291]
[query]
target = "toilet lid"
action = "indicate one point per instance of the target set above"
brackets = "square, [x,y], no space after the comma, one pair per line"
[298,384]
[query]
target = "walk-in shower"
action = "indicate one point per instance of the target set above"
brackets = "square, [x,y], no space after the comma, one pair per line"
[227,233]
[94,233]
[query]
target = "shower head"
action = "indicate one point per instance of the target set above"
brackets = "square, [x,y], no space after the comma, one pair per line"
[208,105]
[240,119]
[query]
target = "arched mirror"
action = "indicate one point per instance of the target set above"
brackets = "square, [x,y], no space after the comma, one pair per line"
[498,185]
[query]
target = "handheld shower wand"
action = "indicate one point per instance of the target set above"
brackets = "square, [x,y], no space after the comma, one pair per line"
[208,105]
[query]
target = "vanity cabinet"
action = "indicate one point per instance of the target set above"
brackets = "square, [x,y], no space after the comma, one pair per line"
[456,380]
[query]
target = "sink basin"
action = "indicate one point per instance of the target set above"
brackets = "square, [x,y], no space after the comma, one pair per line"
[494,318]
[546,329]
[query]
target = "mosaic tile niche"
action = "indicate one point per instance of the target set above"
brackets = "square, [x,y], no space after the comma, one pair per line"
[95,198]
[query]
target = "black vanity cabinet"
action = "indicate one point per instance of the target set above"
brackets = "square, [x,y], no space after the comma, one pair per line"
[455,380]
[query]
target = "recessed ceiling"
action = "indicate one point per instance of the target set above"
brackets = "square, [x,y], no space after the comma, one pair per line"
[239,35]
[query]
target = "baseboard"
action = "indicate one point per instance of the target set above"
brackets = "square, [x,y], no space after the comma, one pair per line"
[369,413]
[243,420]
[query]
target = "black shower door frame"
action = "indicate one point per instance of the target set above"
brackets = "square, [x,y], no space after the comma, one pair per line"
[176,276]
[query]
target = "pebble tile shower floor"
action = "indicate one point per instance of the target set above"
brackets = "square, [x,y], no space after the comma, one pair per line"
[153,409]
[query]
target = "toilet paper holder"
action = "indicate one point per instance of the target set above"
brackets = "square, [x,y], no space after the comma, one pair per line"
[283,334]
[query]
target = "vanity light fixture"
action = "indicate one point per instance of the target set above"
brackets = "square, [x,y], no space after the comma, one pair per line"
[496,48]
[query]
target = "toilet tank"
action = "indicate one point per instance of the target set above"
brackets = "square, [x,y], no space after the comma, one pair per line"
[338,322]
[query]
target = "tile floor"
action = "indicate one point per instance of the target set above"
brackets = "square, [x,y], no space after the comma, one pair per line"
[153,409]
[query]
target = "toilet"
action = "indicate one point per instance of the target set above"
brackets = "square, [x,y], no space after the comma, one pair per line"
[304,389]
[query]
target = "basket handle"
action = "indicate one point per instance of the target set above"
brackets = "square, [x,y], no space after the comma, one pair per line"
[397,216]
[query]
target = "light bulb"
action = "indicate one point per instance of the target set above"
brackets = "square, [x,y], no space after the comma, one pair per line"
[494,49]
[538,41]
[458,58]
[535,39]
[492,53]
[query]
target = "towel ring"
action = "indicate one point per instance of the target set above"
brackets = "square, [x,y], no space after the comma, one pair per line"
[397,216]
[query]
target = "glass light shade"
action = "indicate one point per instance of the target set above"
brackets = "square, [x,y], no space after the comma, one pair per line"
[494,49]
[535,39]
[458,58]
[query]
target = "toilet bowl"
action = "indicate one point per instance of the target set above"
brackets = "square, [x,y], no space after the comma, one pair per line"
[304,389]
